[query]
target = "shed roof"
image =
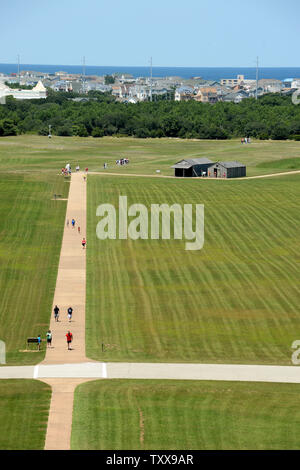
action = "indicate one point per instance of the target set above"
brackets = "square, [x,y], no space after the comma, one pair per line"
[189,162]
[233,164]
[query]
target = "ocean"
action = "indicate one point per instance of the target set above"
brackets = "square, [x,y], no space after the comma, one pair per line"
[207,73]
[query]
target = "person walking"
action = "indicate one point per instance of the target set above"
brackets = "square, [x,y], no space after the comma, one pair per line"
[49,338]
[70,312]
[83,243]
[39,340]
[73,223]
[69,337]
[68,223]
[56,312]
[78,229]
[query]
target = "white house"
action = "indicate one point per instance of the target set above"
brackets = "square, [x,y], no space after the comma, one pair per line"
[296,83]
[38,92]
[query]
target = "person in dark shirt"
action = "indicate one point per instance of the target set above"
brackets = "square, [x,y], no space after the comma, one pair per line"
[56,312]
[70,311]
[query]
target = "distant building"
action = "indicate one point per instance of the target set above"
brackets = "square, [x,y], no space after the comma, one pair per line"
[287,83]
[184,94]
[192,167]
[38,92]
[207,95]
[196,167]
[227,170]
[296,83]
[233,81]
[235,96]
[270,85]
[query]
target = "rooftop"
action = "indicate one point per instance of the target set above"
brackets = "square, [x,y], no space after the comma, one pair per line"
[189,162]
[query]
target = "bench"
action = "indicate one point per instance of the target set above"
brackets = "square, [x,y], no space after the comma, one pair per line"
[56,196]
[32,340]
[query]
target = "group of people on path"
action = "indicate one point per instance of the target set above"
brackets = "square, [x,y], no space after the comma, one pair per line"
[69,335]
[122,161]
[73,223]
[48,339]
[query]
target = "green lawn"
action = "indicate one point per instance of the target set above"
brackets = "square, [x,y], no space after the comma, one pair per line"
[31,227]
[24,408]
[234,301]
[140,414]
[287,164]
[32,153]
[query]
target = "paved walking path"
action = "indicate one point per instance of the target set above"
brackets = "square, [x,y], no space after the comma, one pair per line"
[103,173]
[70,283]
[59,429]
[114,370]
[69,292]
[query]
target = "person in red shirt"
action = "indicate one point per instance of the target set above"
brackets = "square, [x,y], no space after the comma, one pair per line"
[83,242]
[69,337]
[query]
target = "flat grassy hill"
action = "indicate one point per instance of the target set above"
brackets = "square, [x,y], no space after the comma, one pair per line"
[179,415]
[24,408]
[234,301]
[38,153]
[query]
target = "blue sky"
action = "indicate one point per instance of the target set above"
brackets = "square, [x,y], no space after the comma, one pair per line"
[196,33]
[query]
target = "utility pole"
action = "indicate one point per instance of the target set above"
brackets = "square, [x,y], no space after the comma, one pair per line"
[83,74]
[151,79]
[19,68]
[256,93]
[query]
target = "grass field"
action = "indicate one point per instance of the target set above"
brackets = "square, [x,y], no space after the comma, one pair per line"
[234,301]
[138,415]
[37,153]
[24,408]
[31,227]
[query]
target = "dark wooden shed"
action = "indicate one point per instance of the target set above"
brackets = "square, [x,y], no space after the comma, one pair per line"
[192,167]
[227,170]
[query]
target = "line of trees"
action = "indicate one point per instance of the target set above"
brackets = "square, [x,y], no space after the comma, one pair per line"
[99,114]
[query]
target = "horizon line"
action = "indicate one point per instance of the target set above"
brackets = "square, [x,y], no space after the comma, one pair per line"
[160,66]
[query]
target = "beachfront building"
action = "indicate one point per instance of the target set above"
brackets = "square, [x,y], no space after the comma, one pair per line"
[207,95]
[232,82]
[184,93]
[38,92]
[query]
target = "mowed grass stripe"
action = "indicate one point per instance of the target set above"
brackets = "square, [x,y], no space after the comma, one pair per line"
[236,300]
[24,408]
[31,226]
[140,414]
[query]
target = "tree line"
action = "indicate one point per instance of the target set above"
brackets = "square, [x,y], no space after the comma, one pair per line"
[98,114]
